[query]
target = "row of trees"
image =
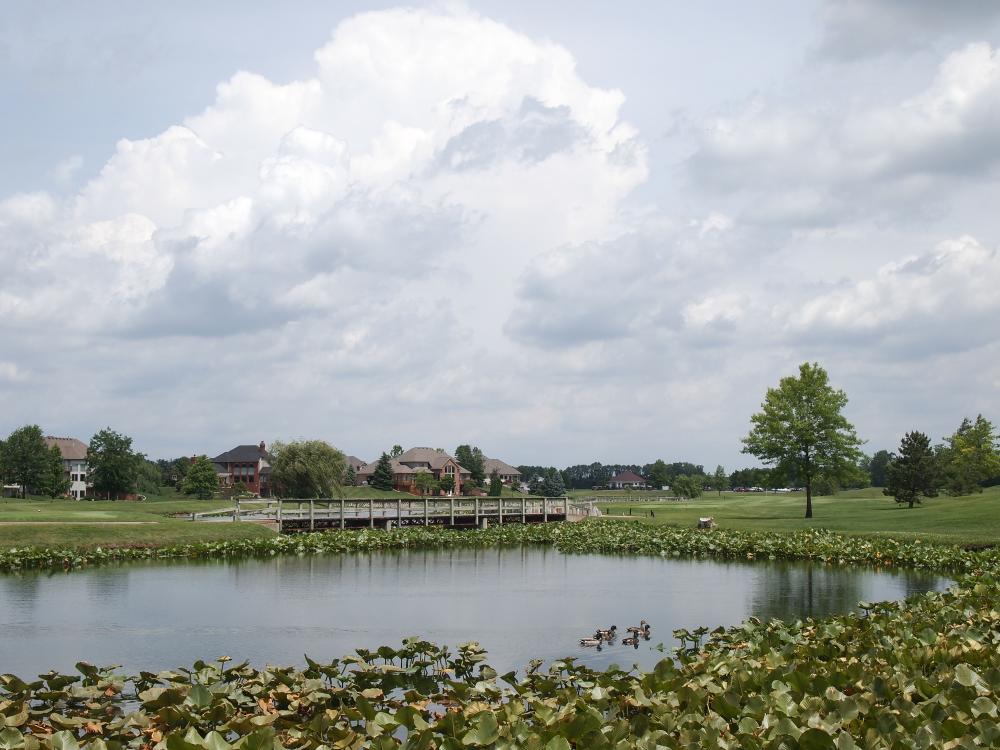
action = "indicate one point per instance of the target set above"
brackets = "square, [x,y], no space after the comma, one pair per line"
[114,467]
[969,459]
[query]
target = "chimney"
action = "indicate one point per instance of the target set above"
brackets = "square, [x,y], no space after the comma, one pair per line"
[262,446]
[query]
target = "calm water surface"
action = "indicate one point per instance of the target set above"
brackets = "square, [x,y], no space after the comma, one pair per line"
[518,603]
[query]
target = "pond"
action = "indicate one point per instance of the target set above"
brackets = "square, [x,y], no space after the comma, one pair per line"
[520,603]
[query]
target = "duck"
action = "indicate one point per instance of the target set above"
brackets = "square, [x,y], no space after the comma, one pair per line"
[608,634]
[591,642]
[642,627]
[631,641]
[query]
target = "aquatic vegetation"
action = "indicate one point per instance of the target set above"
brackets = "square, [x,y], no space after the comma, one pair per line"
[924,673]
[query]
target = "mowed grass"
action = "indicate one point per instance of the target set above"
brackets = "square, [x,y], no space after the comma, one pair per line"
[968,519]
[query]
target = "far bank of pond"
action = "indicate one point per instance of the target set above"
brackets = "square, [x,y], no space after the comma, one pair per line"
[519,602]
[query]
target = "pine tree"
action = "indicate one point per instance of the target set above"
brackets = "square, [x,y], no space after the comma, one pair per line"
[350,477]
[914,471]
[53,480]
[382,476]
[496,486]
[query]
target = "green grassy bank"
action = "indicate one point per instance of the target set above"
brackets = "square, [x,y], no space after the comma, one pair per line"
[969,519]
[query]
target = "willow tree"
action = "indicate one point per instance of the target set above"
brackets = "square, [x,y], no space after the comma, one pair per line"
[800,429]
[306,469]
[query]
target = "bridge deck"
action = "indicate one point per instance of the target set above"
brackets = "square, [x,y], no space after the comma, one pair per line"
[456,512]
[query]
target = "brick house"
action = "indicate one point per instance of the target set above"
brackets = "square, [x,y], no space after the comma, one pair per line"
[508,474]
[406,466]
[249,464]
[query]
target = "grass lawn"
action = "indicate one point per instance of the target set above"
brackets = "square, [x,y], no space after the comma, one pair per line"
[973,518]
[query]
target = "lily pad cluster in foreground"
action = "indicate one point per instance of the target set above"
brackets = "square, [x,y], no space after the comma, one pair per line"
[924,673]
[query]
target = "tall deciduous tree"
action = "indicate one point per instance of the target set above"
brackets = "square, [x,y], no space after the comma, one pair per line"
[447,482]
[971,456]
[659,474]
[200,479]
[878,467]
[913,472]
[687,486]
[800,427]
[397,450]
[25,457]
[382,476]
[719,480]
[306,468]
[471,458]
[113,465]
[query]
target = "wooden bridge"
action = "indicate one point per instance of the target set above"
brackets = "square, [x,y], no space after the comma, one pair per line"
[386,513]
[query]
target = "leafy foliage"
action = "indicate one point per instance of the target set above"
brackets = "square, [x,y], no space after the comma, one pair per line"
[971,456]
[800,428]
[924,673]
[201,479]
[685,486]
[425,482]
[350,476]
[113,465]
[25,457]
[914,471]
[471,458]
[306,468]
[549,484]
[496,485]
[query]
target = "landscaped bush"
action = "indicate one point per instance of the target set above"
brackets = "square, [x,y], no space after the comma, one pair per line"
[924,673]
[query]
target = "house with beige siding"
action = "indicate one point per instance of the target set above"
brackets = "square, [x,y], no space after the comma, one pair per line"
[75,468]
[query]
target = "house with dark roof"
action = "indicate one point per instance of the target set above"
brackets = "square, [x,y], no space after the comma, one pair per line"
[249,464]
[74,459]
[627,480]
[406,466]
[508,474]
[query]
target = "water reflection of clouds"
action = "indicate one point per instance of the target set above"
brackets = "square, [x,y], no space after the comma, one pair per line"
[520,603]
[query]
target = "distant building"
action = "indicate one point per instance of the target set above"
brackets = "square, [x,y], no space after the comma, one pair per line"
[75,468]
[354,461]
[249,464]
[406,466]
[628,480]
[508,474]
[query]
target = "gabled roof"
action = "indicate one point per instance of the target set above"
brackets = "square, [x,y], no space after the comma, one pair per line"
[435,458]
[70,448]
[629,477]
[502,467]
[242,454]
[354,461]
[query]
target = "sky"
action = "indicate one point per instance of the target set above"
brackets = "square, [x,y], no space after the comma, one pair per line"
[563,232]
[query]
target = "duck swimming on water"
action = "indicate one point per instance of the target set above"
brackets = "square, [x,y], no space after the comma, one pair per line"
[608,635]
[631,641]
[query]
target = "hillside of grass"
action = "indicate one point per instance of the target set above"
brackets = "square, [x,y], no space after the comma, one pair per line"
[968,519]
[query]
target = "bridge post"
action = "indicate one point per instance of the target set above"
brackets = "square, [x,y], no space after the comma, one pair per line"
[399,512]
[500,510]
[524,513]
[371,513]
[236,511]
[427,519]
[477,509]
[545,509]
[312,517]
[342,521]
[451,511]
[279,516]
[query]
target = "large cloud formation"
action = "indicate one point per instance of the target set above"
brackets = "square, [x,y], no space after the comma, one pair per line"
[436,237]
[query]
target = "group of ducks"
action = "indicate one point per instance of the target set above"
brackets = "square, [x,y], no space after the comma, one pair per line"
[642,630]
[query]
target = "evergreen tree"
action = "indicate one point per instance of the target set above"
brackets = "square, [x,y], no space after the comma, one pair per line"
[913,471]
[200,479]
[350,477]
[54,482]
[382,476]
[496,486]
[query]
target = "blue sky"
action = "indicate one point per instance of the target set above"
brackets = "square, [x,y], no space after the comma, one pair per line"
[563,233]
